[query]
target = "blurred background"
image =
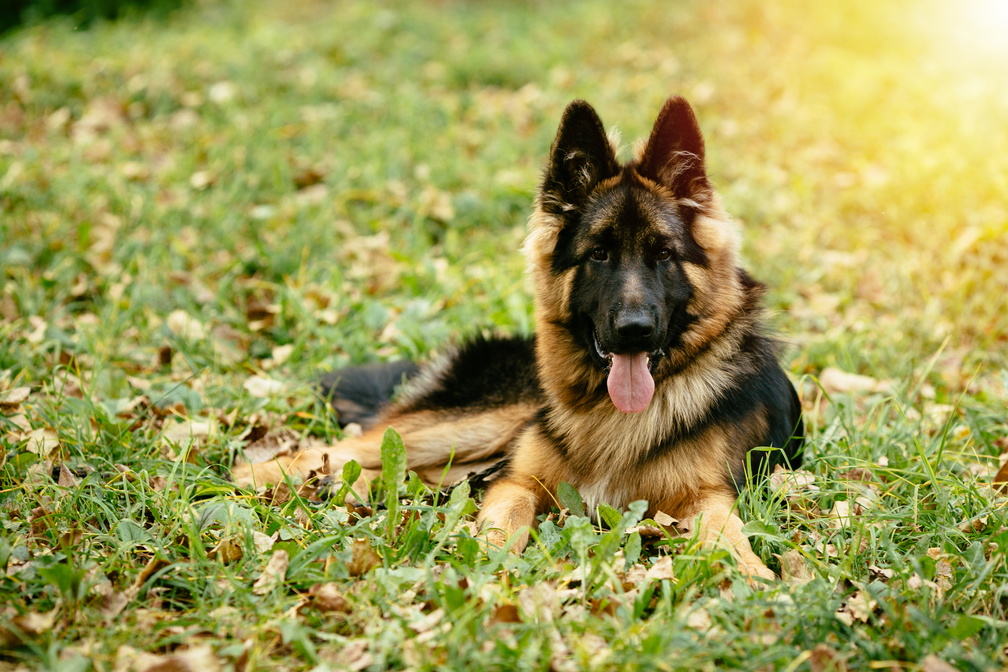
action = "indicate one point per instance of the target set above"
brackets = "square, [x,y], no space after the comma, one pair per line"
[351,180]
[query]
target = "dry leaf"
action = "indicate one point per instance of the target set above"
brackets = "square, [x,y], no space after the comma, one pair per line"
[259,386]
[355,655]
[792,484]
[273,444]
[262,542]
[177,432]
[933,663]
[327,597]
[29,625]
[15,397]
[664,519]
[225,551]
[699,619]
[835,381]
[794,568]
[66,478]
[184,325]
[362,557]
[505,613]
[860,605]
[1001,479]
[661,569]
[824,659]
[42,442]
[193,659]
[274,573]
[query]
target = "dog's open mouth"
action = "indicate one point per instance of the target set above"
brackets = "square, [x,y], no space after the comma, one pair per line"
[629,381]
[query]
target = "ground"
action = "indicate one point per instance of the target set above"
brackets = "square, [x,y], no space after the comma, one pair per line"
[200,214]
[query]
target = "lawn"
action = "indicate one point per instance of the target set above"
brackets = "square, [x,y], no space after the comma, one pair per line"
[199,214]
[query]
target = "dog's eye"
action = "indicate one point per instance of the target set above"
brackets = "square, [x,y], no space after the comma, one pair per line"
[664,254]
[600,254]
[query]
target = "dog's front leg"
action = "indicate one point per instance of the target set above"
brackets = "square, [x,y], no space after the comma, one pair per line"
[508,511]
[718,525]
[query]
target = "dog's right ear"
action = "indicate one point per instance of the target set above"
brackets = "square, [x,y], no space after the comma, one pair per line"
[581,157]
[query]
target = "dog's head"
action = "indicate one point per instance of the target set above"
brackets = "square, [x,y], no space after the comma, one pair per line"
[635,265]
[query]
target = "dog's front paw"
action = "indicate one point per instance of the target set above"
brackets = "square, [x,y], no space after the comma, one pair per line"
[750,566]
[496,538]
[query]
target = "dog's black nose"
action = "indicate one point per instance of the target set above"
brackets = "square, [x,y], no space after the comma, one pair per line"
[633,327]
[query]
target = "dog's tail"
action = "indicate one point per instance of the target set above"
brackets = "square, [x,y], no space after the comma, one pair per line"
[360,393]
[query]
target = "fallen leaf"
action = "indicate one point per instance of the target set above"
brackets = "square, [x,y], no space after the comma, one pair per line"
[66,478]
[505,613]
[259,386]
[262,542]
[226,551]
[327,597]
[836,381]
[362,557]
[42,442]
[699,619]
[15,397]
[177,432]
[193,659]
[933,663]
[861,606]
[824,659]
[661,569]
[273,574]
[664,519]
[184,325]
[28,625]
[355,655]
[795,569]
[1001,479]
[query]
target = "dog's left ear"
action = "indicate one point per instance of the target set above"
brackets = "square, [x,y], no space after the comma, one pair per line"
[581,157]
[674,154]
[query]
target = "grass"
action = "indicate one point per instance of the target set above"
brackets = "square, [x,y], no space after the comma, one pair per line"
[198,216]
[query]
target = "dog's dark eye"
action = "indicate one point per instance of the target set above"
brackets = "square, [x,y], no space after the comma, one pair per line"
[664,254]
[600,254]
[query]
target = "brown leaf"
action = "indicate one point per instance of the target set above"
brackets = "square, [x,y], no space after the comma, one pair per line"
[933,663]
[273,444]
[1001,479]
[226,551]
[661,569]
[824,659]
[505,613]
[362,557]
[274,573]
[836,381]
[794,568]
[42,442]
[184,325]
[12,398]
[28,625]
[153,566]
[66,478]
[327,597]
[260,386]
[193,659]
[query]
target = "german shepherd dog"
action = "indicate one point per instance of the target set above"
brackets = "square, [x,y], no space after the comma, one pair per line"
[650,375]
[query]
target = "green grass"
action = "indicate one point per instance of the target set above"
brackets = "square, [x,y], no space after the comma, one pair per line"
[278,190]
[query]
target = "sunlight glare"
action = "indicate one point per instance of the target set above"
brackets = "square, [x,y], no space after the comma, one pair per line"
[983,26]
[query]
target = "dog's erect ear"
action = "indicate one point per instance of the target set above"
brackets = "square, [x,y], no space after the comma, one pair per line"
[581,157]
[674,154]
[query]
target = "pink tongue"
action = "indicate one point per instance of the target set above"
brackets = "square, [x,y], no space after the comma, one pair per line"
[630,383]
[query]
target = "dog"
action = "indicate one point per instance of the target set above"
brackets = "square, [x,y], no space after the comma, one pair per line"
[650,375]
